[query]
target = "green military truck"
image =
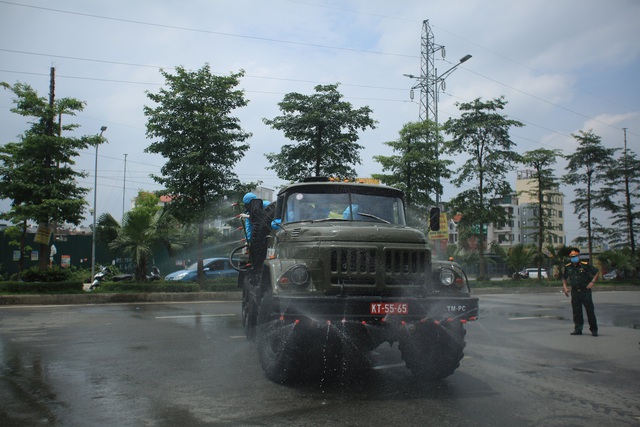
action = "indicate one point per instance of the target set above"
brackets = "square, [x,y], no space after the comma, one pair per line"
[332,271]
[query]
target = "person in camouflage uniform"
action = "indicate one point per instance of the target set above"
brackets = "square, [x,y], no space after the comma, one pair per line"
[581,276]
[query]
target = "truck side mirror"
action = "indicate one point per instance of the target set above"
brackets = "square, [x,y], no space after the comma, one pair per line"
[254,206]
[434,219]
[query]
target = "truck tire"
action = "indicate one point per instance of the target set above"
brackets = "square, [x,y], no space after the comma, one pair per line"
[281,358]
[434,351]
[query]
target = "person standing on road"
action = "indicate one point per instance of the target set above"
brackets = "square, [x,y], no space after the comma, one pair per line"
[581,276]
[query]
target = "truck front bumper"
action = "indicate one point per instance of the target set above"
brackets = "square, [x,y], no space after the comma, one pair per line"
[375,310]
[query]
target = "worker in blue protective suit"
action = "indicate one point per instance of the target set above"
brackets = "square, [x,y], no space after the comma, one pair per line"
[247,223]
[351,212]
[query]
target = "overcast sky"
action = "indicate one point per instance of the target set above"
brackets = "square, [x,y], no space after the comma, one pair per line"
[562,65]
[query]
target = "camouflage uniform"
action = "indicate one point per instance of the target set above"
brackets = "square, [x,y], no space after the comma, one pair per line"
[578,276]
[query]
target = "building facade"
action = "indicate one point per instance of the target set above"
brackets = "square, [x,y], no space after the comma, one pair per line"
[553,205]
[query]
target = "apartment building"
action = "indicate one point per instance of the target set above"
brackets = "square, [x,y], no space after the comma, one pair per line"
[521,226]
[554,207]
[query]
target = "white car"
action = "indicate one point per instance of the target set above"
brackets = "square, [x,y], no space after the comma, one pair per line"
[533,273]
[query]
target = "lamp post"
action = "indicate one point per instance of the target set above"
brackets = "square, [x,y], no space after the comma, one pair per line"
[95,201]
[437,83]
[124,183]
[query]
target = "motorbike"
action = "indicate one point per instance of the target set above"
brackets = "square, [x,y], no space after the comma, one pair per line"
[100,277]
[105,274]
[520,275]
[153,275]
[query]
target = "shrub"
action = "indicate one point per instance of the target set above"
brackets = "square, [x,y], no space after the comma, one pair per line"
[55,274]
[41,287]
[148,287]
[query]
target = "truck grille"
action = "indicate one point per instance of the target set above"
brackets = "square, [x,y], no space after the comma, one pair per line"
[358,266]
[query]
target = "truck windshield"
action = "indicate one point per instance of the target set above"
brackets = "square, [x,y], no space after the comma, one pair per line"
[305,206]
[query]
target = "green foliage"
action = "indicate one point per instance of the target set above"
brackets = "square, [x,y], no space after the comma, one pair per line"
[148,202]
[520,256]
[63,287]
[140,234]
[482,134]
[623,261]
[37,173]
[586,168]
[326,131]
[199,139]
[148,287]
[545,186]
[222,284]
[618,198]
[416,169]
[54,274]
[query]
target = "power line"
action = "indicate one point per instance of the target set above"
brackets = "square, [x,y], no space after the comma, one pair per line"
[315,82]
[218,33]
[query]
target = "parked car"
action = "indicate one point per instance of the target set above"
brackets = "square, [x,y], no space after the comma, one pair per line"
[532,273]
[213,269]
[610,275]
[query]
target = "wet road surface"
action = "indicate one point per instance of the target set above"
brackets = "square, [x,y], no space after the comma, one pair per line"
[189,364]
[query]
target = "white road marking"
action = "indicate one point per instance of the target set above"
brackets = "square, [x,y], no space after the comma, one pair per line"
[533,317]
[195,315]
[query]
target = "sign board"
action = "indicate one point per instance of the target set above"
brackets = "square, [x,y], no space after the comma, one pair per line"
[43,234]
[443,233]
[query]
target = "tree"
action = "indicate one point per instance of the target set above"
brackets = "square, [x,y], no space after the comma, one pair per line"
[517,257]
[415,169]
[140,235]
[18,234]
[587,168]
[616,197]
[326,131]
[200,140]
[36,173]
[482,134]
[546,185]
[622,261]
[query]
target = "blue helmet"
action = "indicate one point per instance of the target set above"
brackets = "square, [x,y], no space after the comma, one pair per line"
[248,198]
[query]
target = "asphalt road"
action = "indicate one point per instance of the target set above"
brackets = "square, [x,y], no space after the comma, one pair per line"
[188,364]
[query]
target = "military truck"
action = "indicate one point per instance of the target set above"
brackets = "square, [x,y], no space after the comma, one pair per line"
[332,271]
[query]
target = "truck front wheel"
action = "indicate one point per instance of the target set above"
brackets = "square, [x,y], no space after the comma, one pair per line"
[277,349]
[434,351]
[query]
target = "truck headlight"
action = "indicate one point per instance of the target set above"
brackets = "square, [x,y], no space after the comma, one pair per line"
[297,276]
[447,277]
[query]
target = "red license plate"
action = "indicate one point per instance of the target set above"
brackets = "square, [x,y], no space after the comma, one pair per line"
[389,308]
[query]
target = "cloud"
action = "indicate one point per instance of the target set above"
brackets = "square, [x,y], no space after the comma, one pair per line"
[562,66]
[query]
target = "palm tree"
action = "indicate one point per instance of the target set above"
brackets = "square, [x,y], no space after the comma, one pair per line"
[141,233]
[520,256]
[621,261]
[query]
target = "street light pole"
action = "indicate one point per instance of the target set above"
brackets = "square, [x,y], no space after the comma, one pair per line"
[439,83]
[124,183]
[95,201]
